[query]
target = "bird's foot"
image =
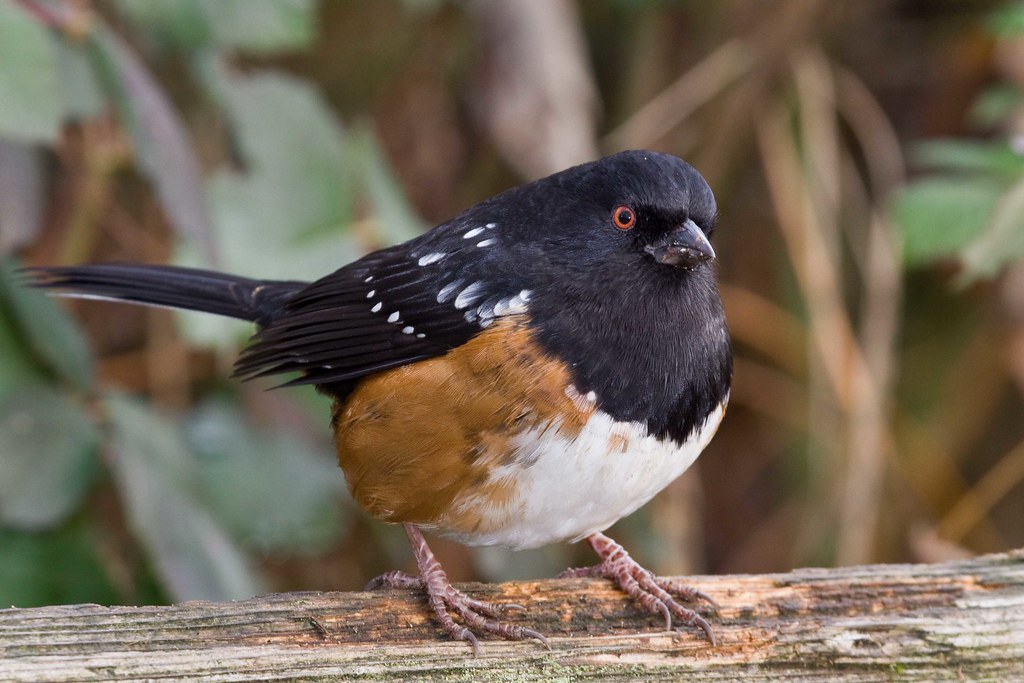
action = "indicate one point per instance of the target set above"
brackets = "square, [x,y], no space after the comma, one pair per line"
[445,599]
[654,593]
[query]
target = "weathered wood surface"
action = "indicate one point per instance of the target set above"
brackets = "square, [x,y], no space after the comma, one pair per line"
[955,621]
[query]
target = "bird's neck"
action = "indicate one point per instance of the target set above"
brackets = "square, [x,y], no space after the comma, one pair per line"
[657,354]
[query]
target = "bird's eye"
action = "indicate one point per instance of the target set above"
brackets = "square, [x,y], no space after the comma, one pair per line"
[624,217]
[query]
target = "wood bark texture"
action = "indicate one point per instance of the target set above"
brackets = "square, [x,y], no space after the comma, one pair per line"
[956,621]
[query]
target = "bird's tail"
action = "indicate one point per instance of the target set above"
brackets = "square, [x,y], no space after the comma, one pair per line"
[189,288]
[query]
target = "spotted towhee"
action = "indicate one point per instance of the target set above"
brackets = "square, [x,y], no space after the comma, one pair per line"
[527,373]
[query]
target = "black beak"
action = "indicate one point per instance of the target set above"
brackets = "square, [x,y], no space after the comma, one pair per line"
[685,247]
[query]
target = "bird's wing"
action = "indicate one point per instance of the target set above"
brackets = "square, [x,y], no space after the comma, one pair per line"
[396,306]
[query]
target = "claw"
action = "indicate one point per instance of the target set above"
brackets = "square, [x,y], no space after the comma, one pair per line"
[702,623]
[668,615]
[653,593]
[536,635]
[445,600]
[716,609]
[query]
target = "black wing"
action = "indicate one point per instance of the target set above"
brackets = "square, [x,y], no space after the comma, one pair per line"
[392,307]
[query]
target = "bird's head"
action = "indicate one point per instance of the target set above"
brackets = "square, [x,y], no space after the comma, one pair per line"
[635,207]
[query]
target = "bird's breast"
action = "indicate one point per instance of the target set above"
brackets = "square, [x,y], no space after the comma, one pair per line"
[563,484]
[492,444]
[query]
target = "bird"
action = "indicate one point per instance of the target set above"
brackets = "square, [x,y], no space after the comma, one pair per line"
[526,373]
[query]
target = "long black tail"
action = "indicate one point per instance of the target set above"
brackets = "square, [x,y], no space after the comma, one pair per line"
[197,290]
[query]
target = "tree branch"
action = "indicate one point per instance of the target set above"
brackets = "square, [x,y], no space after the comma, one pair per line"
[954,621]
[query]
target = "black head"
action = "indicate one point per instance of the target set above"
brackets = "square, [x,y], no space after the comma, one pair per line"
[656,194]
[635,208]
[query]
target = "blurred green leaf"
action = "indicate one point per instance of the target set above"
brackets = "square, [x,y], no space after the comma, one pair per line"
[1002,241]
[244,208]
[262,26]
[18,368]
[255,26]
[170,24]
[995,105]
[22,186]
[272,490]
[395,219]
[60,567]
[969,156]
[158,135]
[295,191]
[939,216]
[30,100]
[79,86]
[212,331]
[45,329]
[160,482]
[47,456]
[294,148]
[1008,21]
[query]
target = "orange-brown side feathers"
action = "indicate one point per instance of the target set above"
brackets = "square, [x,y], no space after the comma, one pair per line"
[413,438]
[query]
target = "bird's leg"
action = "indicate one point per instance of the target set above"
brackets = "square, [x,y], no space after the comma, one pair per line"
[654,593]
[445,599]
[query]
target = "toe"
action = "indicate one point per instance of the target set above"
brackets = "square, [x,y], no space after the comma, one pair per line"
[485,608]
[684,592]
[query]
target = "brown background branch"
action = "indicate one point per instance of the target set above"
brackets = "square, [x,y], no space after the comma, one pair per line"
[955,621]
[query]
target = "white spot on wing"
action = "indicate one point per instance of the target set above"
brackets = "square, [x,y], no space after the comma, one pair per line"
[368,280]
[447,291]
[512,305]
[420,335]
[517,304]
[393,318]
[487,242]
[486,310]
[377,306]
[491,226]
[431,258]
[470,294]
[408,329]
[482,314]
[371,293]
[470,234]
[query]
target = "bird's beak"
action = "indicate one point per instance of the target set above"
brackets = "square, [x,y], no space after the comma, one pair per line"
[685,247]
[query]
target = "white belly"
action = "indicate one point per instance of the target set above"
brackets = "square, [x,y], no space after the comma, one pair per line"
[566,488]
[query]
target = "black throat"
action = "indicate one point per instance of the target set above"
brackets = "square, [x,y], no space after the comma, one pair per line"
[654,349]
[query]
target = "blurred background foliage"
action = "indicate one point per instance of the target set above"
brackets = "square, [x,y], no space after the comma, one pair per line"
[877,312]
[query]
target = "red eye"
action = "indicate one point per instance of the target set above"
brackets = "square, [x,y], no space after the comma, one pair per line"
[623,217]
